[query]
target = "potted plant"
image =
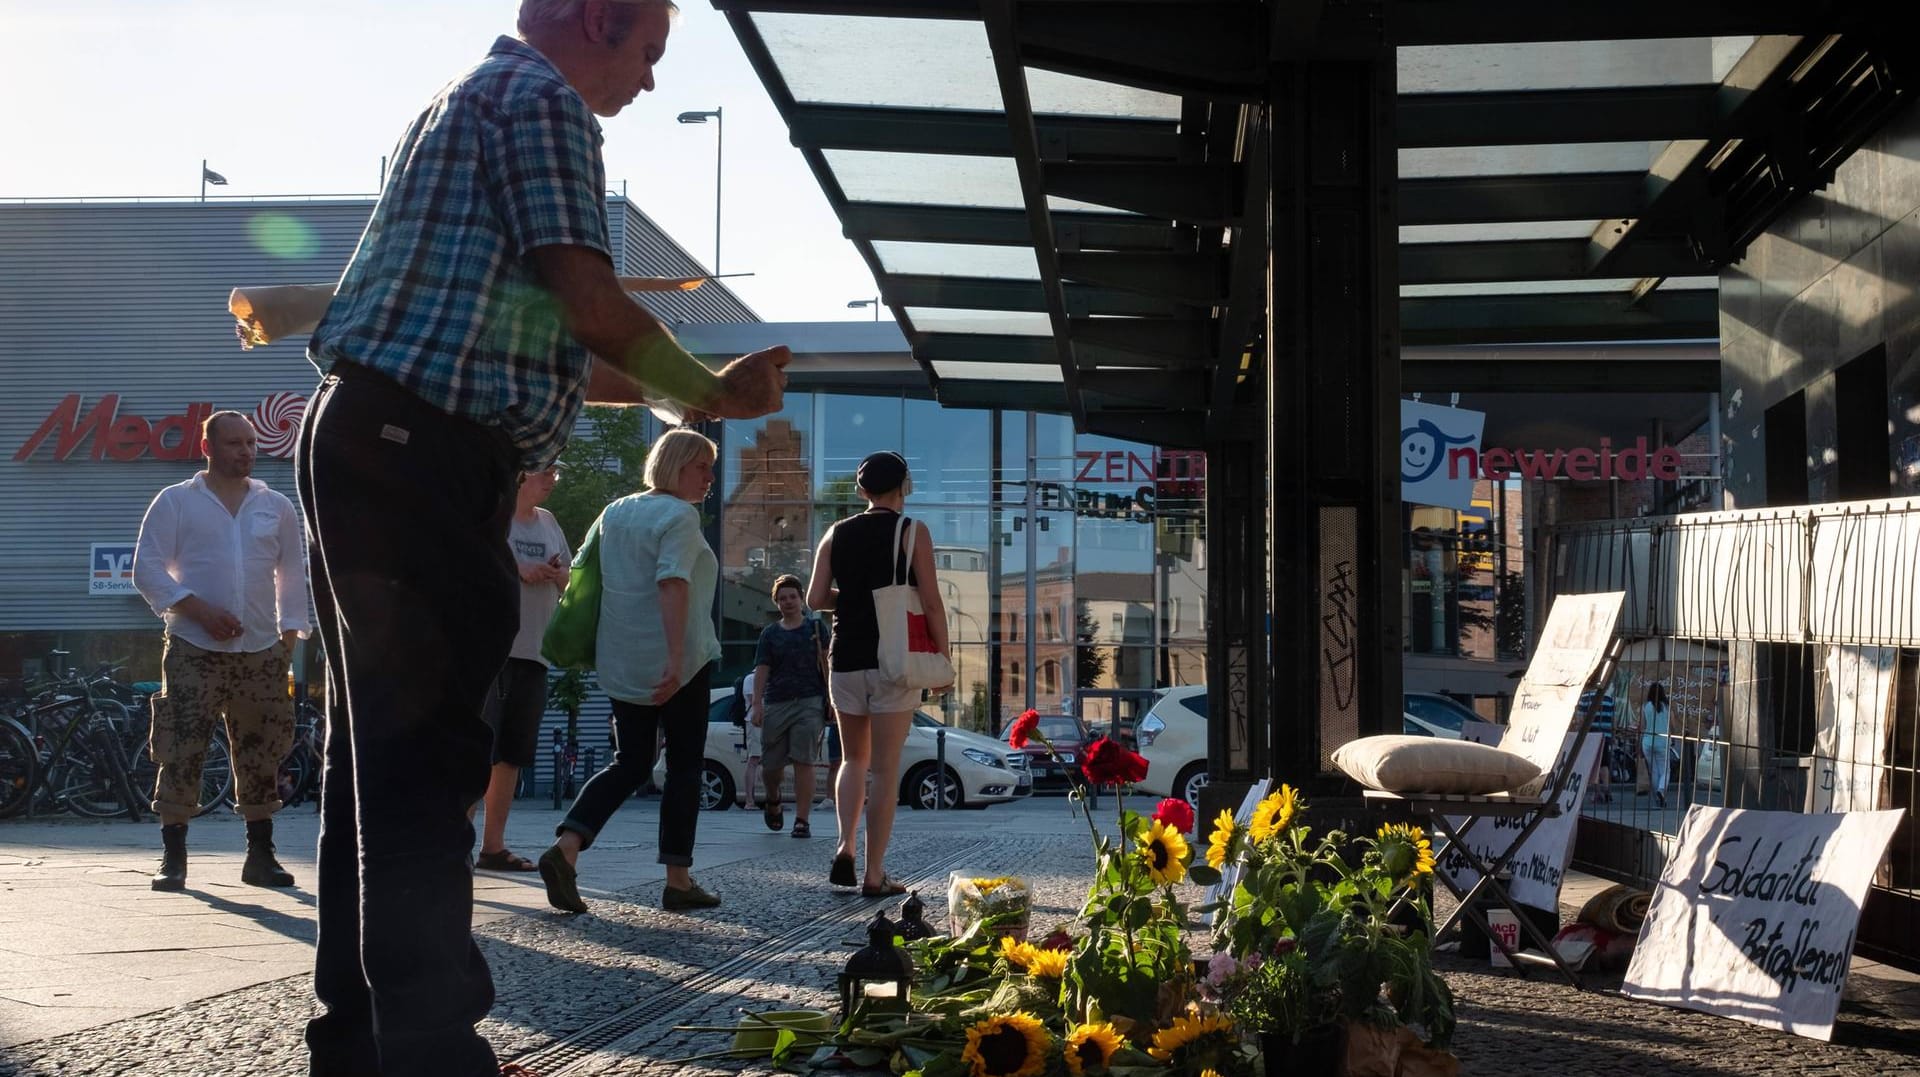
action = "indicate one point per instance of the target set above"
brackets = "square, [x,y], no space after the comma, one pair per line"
[1321,943]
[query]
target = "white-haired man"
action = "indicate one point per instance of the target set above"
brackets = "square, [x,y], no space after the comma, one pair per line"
[456,354]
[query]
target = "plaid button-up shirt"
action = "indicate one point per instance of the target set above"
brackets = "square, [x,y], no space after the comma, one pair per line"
[439,295]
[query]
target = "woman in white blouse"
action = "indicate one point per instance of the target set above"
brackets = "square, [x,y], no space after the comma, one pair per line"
[656,653]
[1656,719]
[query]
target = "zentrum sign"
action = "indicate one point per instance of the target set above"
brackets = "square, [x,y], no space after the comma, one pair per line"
[103,433]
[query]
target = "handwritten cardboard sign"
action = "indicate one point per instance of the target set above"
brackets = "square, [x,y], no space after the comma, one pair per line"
[1541,860]
[1755,915]
[1571,646]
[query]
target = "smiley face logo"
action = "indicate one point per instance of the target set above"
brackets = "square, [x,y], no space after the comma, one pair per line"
[1422,447]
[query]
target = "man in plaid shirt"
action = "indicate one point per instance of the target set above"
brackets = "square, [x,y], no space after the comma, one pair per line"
[456,355]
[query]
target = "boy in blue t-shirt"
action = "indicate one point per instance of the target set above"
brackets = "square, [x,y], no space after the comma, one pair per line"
[789,702]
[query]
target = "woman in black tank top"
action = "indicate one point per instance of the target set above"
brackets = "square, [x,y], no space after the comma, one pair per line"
[857,557]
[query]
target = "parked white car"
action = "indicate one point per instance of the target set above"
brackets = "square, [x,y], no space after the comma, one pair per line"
[980,770]
[1172,738]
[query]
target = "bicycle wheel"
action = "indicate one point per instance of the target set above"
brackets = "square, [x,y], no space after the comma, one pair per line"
[86,783]
[216,777]
[17,768]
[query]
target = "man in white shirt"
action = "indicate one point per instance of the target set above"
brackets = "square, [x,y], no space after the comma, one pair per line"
[222,560]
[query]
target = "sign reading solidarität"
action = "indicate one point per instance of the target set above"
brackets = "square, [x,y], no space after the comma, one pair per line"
[1756,914]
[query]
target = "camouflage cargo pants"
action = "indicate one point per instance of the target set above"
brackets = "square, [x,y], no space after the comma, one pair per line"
[199,687]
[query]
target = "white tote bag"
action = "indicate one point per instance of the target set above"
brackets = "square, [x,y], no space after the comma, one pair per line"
[907,655]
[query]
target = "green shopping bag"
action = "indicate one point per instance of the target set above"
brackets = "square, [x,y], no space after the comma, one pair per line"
[571,635]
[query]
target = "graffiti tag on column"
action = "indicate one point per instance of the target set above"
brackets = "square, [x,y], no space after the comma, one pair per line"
[1338,635]
[1239,708]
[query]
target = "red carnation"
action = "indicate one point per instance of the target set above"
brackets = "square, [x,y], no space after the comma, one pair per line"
[1024,727]
[1109,764]
[1175,813]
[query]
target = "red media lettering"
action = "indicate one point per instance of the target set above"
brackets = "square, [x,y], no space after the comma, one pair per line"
[1581,464]
[106,434]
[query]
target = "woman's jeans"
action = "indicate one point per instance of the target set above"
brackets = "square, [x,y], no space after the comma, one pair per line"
[636,729]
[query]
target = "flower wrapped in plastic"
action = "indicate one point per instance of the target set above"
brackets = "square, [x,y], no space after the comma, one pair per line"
[999,905]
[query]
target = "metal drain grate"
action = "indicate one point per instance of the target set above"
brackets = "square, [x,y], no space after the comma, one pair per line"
[554,1059]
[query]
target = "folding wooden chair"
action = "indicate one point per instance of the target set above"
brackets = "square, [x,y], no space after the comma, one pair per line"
[1576,652]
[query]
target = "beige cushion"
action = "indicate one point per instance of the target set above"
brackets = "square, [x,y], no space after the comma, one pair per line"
[1403,764]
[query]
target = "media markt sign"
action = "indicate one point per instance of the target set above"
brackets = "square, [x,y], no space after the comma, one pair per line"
[73,430]
[1429,437]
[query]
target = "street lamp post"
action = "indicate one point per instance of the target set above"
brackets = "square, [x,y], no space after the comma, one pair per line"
[855,304]
[719,149]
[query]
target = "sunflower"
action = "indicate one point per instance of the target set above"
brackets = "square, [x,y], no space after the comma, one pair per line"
[1165,851]
[1019,954]
[1047,964]
[988,886]
[1404,850]
[1184,1031]
[1274,814]
[1209,1072]
[1092,1047]
[1220,843]
[1006,1045]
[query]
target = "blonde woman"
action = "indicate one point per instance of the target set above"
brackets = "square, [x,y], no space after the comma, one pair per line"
[856,557]
[656,650]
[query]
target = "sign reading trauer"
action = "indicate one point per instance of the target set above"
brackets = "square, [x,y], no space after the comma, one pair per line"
[1756,913]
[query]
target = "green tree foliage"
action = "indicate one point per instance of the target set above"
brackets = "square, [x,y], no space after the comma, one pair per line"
[1090,662]
[605,462]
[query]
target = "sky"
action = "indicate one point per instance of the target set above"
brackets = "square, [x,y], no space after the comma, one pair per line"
[285,97]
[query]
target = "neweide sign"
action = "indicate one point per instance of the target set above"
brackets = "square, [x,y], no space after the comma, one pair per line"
[1756,913]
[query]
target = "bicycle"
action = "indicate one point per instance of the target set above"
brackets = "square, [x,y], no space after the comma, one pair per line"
[79,765]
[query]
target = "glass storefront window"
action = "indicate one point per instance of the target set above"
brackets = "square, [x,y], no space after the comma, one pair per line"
[770,458]
[848,429]
[949,452]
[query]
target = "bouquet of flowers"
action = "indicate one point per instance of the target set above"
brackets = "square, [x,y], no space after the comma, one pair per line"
[1319,935]
[1000,905]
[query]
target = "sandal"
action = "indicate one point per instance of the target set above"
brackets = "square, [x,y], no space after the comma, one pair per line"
[802,829]
[504,860]
[841,873]
[886,888]
[774,815]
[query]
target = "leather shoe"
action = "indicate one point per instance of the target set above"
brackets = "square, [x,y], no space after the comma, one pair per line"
[563,891]
[674,899]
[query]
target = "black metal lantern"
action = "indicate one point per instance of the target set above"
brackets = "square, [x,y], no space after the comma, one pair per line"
[878,974]
[913,918]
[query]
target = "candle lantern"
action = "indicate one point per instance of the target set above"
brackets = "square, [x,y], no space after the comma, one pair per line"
[913,918]
[878,974]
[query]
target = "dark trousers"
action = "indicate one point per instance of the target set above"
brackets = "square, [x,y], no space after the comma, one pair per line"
[407,511]
[636,728]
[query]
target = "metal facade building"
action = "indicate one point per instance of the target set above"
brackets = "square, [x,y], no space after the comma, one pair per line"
[114,342]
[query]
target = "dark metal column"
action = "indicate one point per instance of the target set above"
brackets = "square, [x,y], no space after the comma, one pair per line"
[1237,696]
[1333,357]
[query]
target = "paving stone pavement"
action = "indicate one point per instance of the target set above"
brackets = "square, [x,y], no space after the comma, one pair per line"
[559,975]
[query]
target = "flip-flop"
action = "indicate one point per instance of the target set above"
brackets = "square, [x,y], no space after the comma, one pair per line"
[504,860]
[886,888]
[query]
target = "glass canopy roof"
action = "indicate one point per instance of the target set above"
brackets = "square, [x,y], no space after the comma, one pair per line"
[1525,172]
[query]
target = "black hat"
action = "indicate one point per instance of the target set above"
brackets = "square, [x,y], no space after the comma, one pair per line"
[881,473]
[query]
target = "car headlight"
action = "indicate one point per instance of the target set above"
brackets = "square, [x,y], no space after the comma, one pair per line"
[985,759]
[1066,757]
[1149,730]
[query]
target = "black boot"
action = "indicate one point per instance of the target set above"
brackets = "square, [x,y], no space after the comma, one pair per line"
[261,869]
[173,858]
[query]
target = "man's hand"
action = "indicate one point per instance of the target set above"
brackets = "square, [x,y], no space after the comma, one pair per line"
[536,573]
[758,717]
[289,638]
[752,385]
[219,624]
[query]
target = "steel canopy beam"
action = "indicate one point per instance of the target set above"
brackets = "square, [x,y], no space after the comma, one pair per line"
[1003,227]
[1197,47]
[991,293]
[1567,196]
[1539,259]
[1545,117]
[1162,388]
[1503,319]
[1192,194]
[1467,22]
[1196,279]
[979,133]
[1560,376]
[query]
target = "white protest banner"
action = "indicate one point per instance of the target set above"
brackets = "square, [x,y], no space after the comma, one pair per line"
[1850,728]
[1431,472]
[1571,646]
[1755,915]
[1541,861]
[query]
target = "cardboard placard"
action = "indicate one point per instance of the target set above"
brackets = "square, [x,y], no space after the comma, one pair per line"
[1755,915]
[1571,646]
[1541,862]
